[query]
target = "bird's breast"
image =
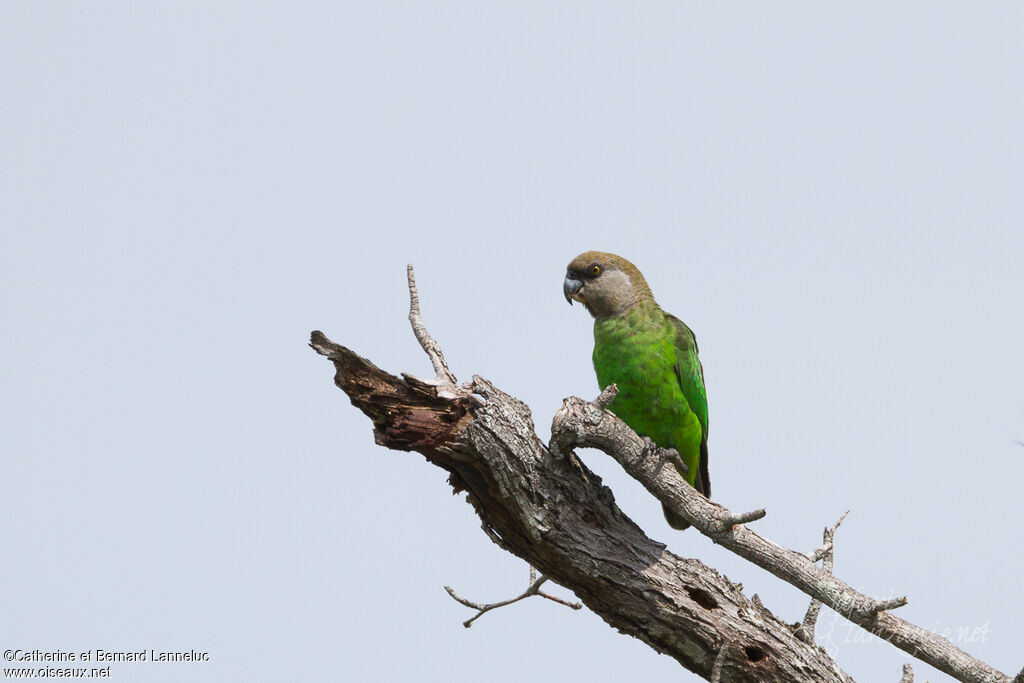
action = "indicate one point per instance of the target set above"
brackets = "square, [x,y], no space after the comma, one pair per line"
[641,362]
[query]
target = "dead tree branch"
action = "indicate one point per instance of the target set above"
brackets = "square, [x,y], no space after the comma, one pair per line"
[532,589]
[826,552]
[442,375]
[716,670]
[553,512]
[581,423]
[559,518]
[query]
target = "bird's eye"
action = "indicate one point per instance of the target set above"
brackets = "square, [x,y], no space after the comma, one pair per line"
[595,270]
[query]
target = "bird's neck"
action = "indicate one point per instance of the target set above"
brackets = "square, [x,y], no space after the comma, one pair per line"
[640,310]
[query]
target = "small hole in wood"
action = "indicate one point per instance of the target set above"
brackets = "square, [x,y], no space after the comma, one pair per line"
[702,597]
[754,654]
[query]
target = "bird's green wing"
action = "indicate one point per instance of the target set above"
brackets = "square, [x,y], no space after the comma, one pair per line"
[691,381]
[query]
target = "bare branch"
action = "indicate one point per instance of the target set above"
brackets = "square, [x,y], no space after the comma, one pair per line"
[827,538]
[443,374]
[559,518]
[885,605]
[728,520]
[908,674]
[806,630]
[554,513]
[819,552]
[607,396]
[531,590]
[716,670]
[579,423]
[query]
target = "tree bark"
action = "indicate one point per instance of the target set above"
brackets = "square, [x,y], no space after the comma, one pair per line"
[542,504]
[555,514]
[582,423]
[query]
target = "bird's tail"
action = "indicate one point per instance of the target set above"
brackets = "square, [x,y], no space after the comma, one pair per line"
[674,520]
[702,484]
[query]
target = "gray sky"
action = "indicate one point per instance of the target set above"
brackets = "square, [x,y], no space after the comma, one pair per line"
[831,198]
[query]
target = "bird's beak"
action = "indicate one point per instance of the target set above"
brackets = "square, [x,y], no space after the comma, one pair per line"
[571,288]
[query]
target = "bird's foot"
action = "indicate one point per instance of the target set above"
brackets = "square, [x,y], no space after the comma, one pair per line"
[665,454]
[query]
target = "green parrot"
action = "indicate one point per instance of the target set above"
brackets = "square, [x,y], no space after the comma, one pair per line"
[652,357]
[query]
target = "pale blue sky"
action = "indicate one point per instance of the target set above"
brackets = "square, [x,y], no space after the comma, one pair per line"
[830,196]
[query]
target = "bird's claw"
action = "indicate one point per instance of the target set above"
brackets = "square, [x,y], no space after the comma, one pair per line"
[669,454]
[672,455]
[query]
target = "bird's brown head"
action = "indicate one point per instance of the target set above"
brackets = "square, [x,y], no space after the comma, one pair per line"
[606,284]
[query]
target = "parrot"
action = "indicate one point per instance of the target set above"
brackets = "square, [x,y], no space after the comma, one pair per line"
[651,356]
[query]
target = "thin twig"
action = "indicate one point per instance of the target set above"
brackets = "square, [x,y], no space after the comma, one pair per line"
[607,396]
[819,552]
[886,605]
[533,589]
[443,374]
[732,519]
[908,674]
[716,669]
[805,631]
[827,538]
